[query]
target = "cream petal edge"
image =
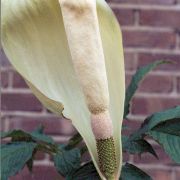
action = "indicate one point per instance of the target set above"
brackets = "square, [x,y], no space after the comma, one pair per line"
[54,106]
[115,70]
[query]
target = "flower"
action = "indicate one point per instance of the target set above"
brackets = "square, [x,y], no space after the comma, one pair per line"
[70,54]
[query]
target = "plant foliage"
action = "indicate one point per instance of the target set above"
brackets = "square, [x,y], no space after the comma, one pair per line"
[14,157]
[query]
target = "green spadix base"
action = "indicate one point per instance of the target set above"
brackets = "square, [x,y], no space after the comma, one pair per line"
[107,158]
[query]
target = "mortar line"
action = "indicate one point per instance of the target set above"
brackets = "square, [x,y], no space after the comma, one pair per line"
[27,114]
[173,175]
[16,90]
[157,166]
[10,80]
[157,72]
[44,162]
[178,40]
[152,50]
[157,95]
[147,28]
[175,85]
[145,7]
[136,18]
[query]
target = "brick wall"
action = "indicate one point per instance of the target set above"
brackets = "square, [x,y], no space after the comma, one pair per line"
[151,31]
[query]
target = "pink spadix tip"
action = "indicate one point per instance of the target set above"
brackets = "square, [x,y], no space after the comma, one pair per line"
[102,125]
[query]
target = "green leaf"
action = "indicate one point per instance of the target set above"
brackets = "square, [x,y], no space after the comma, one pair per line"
[137,146]
[75,140]
[67,161]
[170,143]
[30,163]
[164,127]
[88,172]
[170,127]
[16,135]
[85,172]
[20,135]
[41,137]
[14,156]
[160,117]
[131,172]
[140,73]
[153,121]
[167,134]
[125,127]
[39,129]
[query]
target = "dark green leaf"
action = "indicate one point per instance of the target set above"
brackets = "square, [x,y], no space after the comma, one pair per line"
[131,172]
[14,156]
[169,127]
[168,135]
[163,116]
[125,127]
[140,73]
[170,115]
[170,143]
[137,146]
[75,140]
[41,137]
[29,164]
[16,135]
[88,172]
[39,129]
[66,161]
[19,135]
[85,172]
[164,127]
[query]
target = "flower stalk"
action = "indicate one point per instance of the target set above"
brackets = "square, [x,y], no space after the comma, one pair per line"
[83,35]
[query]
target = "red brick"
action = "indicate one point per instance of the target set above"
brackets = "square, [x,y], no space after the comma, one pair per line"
[4,79]
[18,81]
[128,79]
[146,58]
[147,106]
[178,171]
[160,18]
[163,2]
[147,39]
[39,173]
[2,121]
[125,157]
[52,125]
[86,157]
[147,158]
[157,84]
[20,102]
[5,140]
[39,155]
[132,125]
[178,84]
[3,59]
[124,16]
[159,174]
[130,63]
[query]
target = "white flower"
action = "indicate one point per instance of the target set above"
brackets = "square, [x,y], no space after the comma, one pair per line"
[70,53]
